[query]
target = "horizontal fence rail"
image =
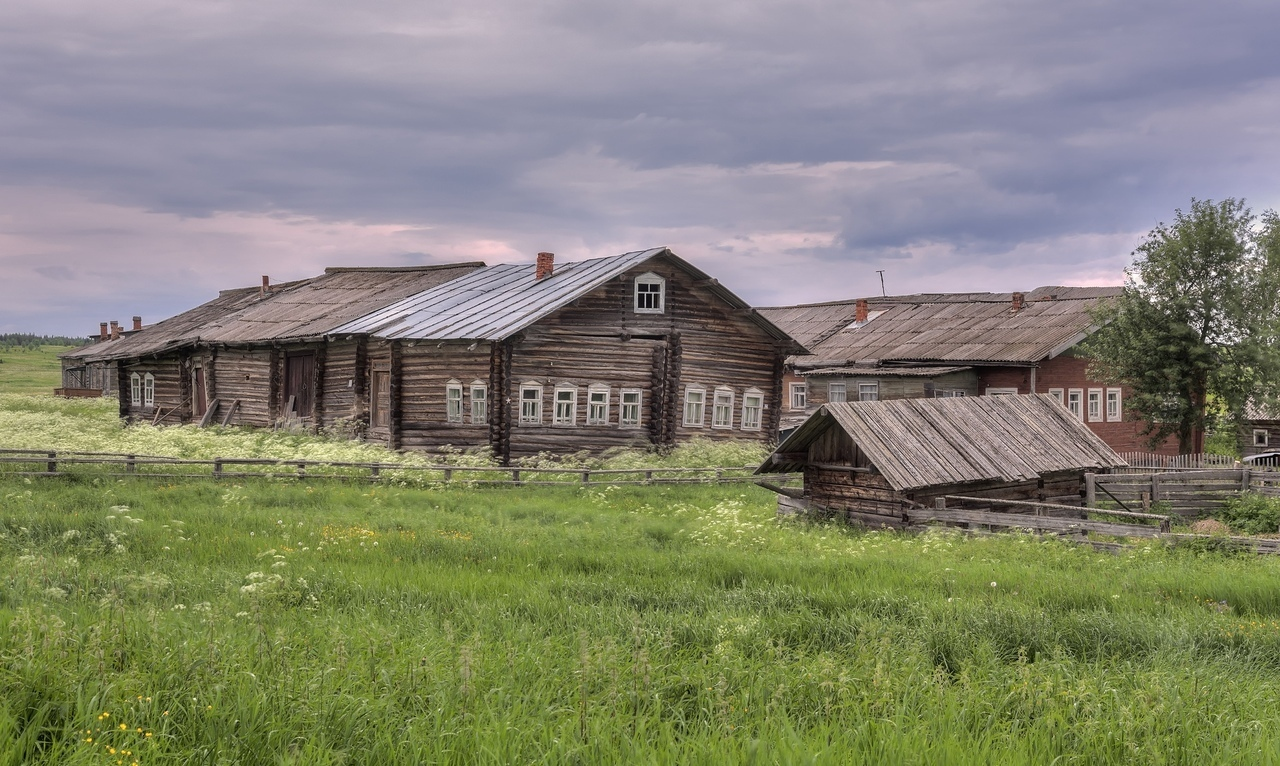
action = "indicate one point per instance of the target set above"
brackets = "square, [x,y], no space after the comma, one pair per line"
[61,463]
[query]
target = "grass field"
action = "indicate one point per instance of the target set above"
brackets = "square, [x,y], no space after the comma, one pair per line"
[272,623]
[24,371]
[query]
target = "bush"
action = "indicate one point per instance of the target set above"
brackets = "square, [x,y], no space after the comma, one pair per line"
[1252,514]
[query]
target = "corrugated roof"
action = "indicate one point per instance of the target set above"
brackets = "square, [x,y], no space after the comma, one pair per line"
[496,302]
[305,308]
[961,329]
[883,372]
[918,443]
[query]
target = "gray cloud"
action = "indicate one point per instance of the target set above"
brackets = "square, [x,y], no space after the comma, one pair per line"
[156,152]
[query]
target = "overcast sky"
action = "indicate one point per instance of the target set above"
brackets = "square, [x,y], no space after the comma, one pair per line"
[153,152]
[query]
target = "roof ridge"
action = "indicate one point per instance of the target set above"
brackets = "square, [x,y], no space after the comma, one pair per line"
[394,269]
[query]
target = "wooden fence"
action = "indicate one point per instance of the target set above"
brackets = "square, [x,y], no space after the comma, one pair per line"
[1184,492]
[1149,460]
[56,463]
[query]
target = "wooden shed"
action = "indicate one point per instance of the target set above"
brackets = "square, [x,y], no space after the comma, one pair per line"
[873,461]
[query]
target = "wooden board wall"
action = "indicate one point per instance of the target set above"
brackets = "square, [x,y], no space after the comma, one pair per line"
[426,369]
[244,374]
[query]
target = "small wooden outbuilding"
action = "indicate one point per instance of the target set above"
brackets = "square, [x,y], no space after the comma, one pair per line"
[873,461]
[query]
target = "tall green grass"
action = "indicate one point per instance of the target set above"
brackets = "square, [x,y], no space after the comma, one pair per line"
[277,622]
[27,370]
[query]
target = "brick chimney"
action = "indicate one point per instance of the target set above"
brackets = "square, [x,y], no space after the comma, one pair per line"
[1018,299]
[115,330]
[860,311]
[266,285]
[102,331]
[137,323]
[546,264]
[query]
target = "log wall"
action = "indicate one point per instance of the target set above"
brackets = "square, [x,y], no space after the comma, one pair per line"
[426,370]
[244,374]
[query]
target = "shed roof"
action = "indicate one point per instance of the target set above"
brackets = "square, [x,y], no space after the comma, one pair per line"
[497,302]
[306,308]
[918,443]
[860,371]
[940,327]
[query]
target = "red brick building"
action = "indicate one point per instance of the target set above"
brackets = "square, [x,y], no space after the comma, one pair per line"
[955,344]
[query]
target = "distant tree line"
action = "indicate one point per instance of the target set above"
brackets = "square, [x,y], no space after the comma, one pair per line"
[12,341]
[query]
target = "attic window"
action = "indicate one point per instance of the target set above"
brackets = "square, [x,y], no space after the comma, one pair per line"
[650,294]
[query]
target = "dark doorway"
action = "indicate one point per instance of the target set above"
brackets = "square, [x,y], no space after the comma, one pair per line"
[199,401]
[299,382]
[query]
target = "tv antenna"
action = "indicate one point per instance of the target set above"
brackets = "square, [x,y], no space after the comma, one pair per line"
[883,294]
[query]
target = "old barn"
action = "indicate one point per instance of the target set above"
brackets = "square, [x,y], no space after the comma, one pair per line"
[872,461]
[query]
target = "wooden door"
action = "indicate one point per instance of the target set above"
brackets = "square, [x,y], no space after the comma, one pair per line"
[299,382]
[199,401]
[380,396]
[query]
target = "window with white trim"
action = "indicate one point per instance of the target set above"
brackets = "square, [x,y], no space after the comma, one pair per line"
[148,390]
[868,392]
[1075,402]
[948,393]
[1113,405]
[722,408]
[799,396]
[598,406]
[1059,394]
[629,409]
[479,402]
[651,293]
[695,402]
[531,404]
[752,404]
[1261,437]
[836,392]
[135,389]
[1095,405]
[1002,392]
[566,412]
[453,401]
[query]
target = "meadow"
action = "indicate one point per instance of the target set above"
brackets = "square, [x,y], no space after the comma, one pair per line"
[26,370]
[284,622]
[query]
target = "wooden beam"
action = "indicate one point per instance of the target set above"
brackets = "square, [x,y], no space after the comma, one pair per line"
[208,413]
[796,494]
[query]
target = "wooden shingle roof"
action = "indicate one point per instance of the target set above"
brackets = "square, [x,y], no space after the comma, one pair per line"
[918,443]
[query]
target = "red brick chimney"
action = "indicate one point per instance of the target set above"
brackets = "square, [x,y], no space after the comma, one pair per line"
[102,331]
[266,285]
[860,311]
[115,330]
[1018,299]
[137,323]
[546,264]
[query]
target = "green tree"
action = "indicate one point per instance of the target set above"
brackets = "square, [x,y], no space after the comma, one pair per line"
[1194,332]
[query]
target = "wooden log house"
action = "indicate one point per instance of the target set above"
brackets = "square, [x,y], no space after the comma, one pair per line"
[870,462]
[637,349]
[941,345]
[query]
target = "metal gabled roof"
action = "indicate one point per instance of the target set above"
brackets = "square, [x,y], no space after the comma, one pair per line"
[916,443]
[497,302]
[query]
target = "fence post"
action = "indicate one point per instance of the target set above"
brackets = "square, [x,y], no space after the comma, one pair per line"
[52,467]
[586,477]
[1091,490]
[217,468]
[448,474]
[1155,487]
[374,472]
[302,469]
[130,465]
[515,475]
[648,477]
[1246,476]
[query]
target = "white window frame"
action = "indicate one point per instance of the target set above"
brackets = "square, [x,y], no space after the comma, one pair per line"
[530,407]
[1261,437]
[148,390]
[597,409]
[949,393]
[1113,397]
[1093,405]
[561,416]
[453,402]
[1002,391]
[799,395]
[1061,395]
[722,405]
[752,414]
[695,404]
[135,389]
[625,412]
[869,392]
[479,403]
[1076,407]
[650,279]
[837,391]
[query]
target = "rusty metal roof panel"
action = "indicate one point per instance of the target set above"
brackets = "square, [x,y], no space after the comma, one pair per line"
[917,443]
